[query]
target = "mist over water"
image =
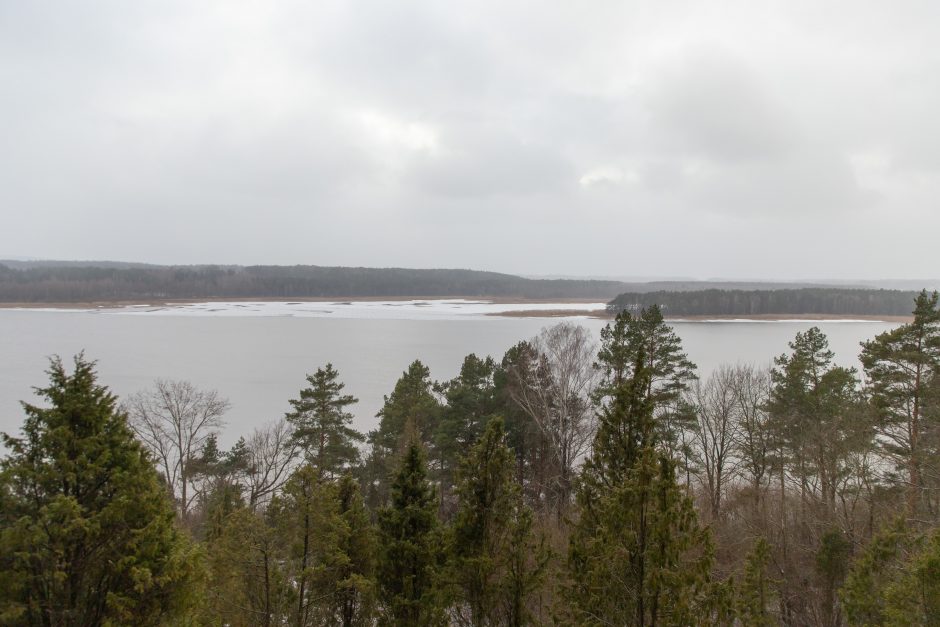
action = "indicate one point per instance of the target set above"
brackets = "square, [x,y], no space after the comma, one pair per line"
[259,362]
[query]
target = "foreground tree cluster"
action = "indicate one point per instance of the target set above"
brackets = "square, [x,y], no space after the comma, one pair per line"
[568,483]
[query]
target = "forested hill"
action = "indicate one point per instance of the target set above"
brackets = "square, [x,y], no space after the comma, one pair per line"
[715,302]
[49,283]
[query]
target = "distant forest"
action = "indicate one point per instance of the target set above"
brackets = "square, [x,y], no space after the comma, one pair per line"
[106,281]
[45,283]
[716,302]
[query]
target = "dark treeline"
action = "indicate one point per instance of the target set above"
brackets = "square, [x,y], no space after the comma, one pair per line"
[42,283]
[819,300]
[568,483]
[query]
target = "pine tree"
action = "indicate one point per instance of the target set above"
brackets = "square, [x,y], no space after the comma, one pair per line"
[410,542]
[816,417]
[87,534]
[496,560]
[637,553]
[901,365]
[321,423]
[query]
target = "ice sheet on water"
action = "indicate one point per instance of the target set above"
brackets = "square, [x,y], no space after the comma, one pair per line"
[452,309]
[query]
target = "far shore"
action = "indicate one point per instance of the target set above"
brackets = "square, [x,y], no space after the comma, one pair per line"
[158,302]
[601,314]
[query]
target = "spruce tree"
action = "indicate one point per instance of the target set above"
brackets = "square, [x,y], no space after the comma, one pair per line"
[412,405]
[354,601]
[410,542]
[669,369]
[496,561]
[321,423]
[637,554]
[87,533]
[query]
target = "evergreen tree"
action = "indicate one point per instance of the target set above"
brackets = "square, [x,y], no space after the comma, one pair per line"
[470,402]
[410,544]
[669,370]
[754,594]
[87,534]
[354,602]
[637,553]
[412,404]
[817,418]
[307,520]
[248,585]
[496,562]
[321,423]
[901,365]
[523,436]
[896,579]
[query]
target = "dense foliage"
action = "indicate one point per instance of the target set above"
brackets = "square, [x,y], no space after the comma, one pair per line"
[566,484]
[732,302]
[71,283]
[87,535]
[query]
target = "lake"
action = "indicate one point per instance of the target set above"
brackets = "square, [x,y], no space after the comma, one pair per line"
[257,354]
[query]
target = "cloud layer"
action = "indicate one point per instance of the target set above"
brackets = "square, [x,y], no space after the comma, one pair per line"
[734,139]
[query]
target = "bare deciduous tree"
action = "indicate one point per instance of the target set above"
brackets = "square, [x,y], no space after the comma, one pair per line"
[754,440]
[272,452]
[715,432]
[555,391]
[174,420]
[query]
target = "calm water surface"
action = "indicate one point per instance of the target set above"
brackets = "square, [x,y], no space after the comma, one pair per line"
[259,363]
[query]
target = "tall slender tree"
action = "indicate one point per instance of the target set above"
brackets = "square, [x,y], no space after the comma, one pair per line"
[901,365]
[470,402]
[491,527]
[637,554]
[412,406]
[670,372]
[410,542]
[321,423]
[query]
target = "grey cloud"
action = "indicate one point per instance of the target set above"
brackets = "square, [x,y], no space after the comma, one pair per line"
[489,163]
[527,137]
[711,105]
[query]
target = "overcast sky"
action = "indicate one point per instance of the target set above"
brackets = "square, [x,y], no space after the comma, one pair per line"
[742,139]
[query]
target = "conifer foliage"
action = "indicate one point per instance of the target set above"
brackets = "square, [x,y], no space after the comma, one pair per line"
[637,553]
[496,560]
[87,533]
[321,423]
[410,541]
